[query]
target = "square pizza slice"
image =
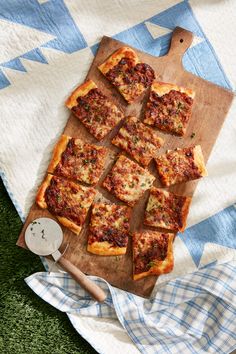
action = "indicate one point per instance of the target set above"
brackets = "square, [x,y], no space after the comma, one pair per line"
[140,141]
[74,159]
[109,229]
[126,72]
[152,253]
[128,181]
[181,165]
[68,201]
[169,108]
[94,109]
[167,210]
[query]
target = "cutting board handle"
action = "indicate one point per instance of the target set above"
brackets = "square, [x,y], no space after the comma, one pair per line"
[180,42]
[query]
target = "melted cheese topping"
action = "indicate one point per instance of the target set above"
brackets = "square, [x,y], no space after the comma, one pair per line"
[81,161]
[152,253]
[94,110]
[124,69]
[128,181]
[169,111]
[110,215]
[162,88]
[181,165]
[131,92]
[166,210]
[138,140]
[68,199]
[109,229]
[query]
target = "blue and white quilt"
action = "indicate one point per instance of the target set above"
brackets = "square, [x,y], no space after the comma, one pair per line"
[47,47]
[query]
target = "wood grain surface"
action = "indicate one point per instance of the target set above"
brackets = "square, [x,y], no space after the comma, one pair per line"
[210,108]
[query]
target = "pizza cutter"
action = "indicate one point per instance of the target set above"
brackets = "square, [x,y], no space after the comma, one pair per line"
[44,237]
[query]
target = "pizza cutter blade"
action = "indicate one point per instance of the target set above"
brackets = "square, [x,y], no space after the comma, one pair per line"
[44,237]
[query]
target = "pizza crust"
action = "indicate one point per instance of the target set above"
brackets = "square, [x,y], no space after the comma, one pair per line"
[105,249]
[69,224]
[40,200]
[162,88]
[199,160]
[161,267]
[184,213]
[57,151]
[82,90]
[113,60]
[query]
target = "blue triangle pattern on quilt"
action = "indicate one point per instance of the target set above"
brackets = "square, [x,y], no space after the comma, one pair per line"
[41,17]
[69,37]
[219,229]
[14,64]
[35,55]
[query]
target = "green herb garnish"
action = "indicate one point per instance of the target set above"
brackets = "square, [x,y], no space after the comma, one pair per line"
[98,118]
[151,264]
[86,107]
[58,198]
[135,139]
[180,105]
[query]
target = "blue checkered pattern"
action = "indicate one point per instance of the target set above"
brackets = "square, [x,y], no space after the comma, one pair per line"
[192,314]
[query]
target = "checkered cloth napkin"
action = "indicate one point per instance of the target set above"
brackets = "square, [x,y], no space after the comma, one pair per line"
[47,47]
[190,314]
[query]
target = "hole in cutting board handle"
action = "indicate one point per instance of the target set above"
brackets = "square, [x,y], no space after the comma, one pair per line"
[181,40]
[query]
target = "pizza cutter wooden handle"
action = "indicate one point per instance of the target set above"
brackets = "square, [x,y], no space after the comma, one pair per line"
[93,289]
[180,42]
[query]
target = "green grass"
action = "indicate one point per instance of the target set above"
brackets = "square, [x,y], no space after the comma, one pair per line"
[27,323]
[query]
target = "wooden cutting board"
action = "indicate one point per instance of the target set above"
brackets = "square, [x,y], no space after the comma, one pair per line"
[209,111]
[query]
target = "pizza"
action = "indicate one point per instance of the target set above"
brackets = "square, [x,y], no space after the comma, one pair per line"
[76,160]
[128,181]
[68,201]
[167,210]
[126,72]
[181,165]
[169,108]
[94,109]
[109,229]
[138,140]
[152,253]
